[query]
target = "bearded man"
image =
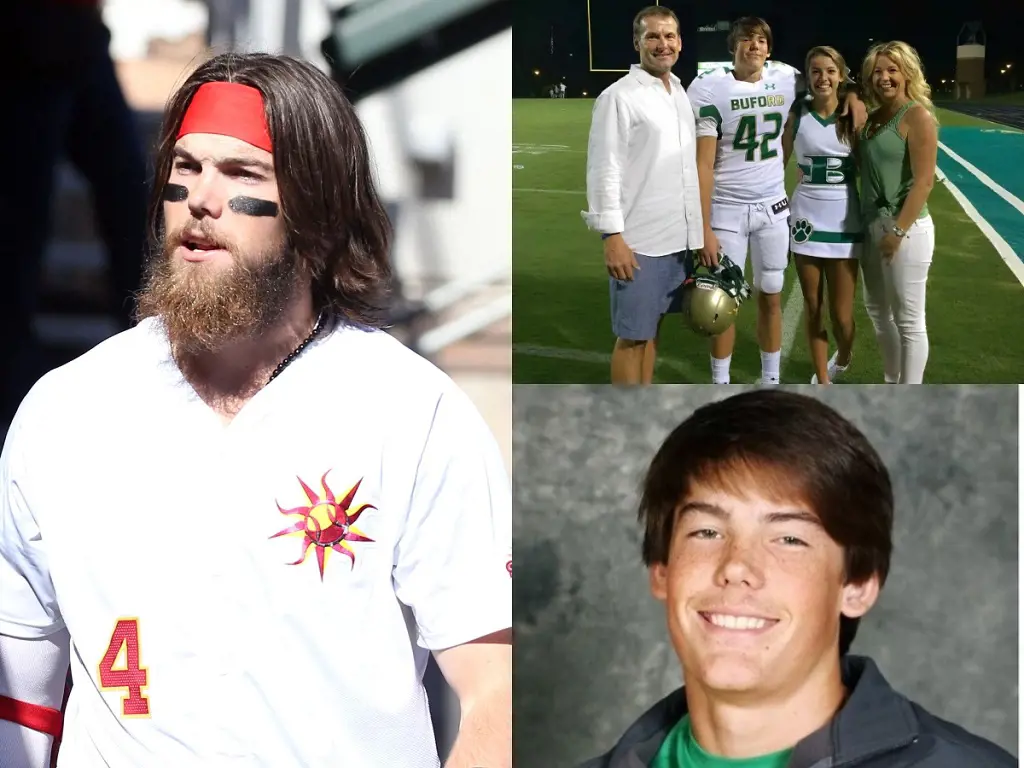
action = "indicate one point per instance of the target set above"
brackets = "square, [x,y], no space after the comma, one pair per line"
[247,521]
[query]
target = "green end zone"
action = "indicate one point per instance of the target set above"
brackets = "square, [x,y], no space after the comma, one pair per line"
[561,325]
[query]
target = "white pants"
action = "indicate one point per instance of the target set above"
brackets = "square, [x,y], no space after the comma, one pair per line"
[894,296]
[739,226]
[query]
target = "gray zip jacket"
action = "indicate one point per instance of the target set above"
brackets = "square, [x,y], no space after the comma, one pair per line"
[876,728]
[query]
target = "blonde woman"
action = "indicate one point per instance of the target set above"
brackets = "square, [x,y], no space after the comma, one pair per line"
[896,158]
[825,220]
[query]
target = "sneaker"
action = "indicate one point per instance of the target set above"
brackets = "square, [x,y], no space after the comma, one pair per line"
[763,382]
[834,371]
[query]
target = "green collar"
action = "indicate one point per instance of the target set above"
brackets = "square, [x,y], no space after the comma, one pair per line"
[824,121]
[681,750]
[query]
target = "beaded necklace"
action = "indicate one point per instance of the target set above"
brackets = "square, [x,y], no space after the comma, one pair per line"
[298,350]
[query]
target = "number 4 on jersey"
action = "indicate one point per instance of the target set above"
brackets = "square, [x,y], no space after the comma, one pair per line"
[131,675]
[747,139]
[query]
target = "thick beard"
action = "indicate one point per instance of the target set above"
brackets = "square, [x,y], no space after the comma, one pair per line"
[203,309]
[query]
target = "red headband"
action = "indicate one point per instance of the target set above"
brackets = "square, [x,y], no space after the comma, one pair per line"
[228,109]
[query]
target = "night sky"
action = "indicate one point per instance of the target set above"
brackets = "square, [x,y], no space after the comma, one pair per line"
[845,24]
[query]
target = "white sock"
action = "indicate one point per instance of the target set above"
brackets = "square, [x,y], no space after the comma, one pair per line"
[720,370]
[770,365]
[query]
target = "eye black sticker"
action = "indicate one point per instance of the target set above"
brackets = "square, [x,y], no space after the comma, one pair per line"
[250,206]
[253,206]
[175,193]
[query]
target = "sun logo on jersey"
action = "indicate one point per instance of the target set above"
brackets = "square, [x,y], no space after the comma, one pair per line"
[327,523]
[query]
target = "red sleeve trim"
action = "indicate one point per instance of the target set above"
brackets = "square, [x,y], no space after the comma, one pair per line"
[34,716]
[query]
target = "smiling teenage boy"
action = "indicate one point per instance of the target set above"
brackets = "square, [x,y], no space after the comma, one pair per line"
[768,535]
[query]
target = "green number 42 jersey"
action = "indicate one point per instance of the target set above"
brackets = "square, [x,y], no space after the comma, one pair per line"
[747,119]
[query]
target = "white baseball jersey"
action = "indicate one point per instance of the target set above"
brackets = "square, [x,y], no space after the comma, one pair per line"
[747,119]
[825,216]
[234,594]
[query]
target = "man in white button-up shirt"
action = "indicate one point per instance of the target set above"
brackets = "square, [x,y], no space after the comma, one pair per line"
[643,192]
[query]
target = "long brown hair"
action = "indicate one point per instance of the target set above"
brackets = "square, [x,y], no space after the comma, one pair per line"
[337,226]
[792,447]
[844,125]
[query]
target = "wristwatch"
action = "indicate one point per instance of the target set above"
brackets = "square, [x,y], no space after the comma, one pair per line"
[897,231]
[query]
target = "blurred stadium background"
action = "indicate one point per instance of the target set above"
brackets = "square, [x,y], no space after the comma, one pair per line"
[561,331]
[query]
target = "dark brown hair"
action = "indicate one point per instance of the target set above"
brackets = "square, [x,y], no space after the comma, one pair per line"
[792,448]
[649,11]
[336,223]
[749,25]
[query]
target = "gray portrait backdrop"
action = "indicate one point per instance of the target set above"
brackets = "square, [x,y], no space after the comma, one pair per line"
[592,651]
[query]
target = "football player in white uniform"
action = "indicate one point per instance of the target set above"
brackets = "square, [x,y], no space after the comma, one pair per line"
[740,113]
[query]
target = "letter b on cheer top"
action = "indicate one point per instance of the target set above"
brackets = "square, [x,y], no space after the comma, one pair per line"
[828,171]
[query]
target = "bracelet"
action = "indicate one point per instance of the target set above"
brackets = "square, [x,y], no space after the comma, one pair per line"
[896,230]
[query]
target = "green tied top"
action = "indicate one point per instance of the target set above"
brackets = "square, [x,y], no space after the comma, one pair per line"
[885,173]
[681,750]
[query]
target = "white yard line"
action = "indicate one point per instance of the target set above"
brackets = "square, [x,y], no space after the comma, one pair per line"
[1006,253]
[792,313]
[985,179]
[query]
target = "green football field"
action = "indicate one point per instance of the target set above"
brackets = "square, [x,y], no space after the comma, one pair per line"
[561,323]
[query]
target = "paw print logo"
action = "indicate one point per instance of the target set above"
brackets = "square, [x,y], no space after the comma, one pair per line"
[801,230]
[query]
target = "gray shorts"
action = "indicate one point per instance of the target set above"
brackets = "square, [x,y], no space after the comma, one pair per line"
[638,305]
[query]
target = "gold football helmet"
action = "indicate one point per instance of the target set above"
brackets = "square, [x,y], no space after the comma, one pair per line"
[712,300]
